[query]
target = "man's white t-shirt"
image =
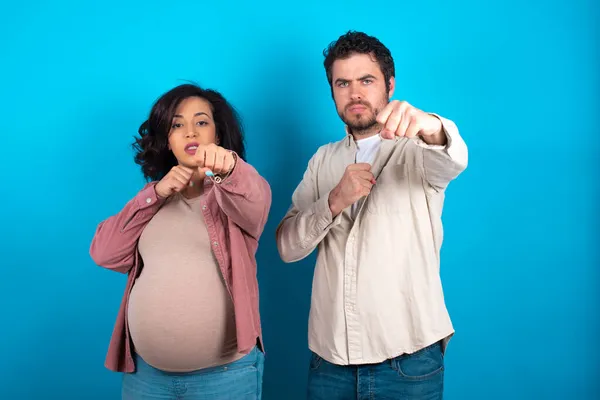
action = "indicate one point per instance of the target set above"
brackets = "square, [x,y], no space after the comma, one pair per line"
[367,149]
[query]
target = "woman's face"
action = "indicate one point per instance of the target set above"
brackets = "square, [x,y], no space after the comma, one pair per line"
[192,125]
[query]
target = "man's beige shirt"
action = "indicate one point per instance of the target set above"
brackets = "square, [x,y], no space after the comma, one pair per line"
[377,291]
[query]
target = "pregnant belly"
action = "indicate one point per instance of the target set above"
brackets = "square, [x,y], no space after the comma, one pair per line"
[179,325]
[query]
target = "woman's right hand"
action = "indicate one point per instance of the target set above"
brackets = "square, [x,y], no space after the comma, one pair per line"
[176,180]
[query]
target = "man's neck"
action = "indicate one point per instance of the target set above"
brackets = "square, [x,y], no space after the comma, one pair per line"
[366,133]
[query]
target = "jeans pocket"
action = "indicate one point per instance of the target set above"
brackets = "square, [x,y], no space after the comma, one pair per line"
[420,365]
[250,361]
[315,361]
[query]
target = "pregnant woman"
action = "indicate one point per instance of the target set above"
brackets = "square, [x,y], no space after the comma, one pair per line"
[189,324]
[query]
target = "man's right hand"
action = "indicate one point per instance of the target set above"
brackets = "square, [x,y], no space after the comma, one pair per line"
[175,180]
[356,183]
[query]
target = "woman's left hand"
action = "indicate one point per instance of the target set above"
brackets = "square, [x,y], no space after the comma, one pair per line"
[214,158]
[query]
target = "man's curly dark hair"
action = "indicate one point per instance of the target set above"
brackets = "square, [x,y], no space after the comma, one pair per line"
[354,42]
[152,145]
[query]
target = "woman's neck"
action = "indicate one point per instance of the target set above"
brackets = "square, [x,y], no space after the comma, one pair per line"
[195,188]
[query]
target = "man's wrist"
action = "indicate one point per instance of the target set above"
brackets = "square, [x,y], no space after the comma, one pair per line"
[334,203]
[439,138]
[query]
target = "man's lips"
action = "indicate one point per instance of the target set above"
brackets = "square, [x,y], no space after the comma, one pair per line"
[357,108]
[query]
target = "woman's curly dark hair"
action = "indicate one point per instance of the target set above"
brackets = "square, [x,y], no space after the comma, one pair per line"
[354,42]
[152,145]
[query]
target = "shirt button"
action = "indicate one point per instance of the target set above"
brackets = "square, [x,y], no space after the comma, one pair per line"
[148,200]
[204,207]
[215,244]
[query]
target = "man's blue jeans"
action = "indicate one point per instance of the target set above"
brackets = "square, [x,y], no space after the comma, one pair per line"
[416,376]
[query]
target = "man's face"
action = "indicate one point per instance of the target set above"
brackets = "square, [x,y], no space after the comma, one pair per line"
[359,91]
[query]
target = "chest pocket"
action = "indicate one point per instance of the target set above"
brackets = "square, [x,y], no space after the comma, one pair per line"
[392,192]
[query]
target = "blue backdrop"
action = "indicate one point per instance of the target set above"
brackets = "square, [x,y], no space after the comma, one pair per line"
[520,267]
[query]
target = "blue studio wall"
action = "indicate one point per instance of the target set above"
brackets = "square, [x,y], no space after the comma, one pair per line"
[519,263]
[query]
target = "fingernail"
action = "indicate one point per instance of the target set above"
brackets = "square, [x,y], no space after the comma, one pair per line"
[209,173]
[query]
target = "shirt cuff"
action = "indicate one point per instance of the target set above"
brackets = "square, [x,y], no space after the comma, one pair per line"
[323,213]
[148,197]
[451,132]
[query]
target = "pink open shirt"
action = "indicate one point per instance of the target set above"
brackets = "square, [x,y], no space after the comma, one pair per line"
[235,211]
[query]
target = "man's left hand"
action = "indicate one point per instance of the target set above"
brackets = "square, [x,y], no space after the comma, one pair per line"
[401,119]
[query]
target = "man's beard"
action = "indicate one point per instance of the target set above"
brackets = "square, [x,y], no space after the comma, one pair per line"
[363,124]
[360,124]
